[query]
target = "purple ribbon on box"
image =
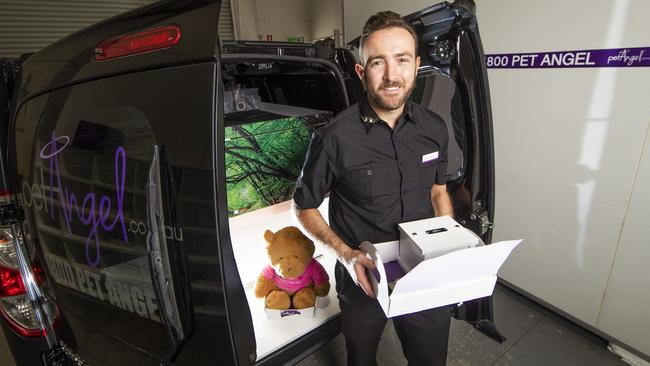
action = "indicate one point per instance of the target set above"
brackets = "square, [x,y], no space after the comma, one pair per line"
[393,271]
[614,57]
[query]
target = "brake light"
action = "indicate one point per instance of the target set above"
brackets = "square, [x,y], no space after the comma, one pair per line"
[15,306]
[11,282]
[5,196]
[144,41]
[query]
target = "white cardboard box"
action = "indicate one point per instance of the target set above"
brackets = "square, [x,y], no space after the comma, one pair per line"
[452,278]
[425,239]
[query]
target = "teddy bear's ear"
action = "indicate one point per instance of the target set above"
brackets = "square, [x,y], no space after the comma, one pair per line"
[268,236]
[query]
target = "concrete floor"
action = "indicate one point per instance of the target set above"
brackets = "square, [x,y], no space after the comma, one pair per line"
[534,335]
[5,354]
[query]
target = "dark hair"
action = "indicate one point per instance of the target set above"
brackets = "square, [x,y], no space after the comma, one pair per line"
[383,20]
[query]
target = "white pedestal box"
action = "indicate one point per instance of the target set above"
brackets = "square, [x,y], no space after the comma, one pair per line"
[429,238]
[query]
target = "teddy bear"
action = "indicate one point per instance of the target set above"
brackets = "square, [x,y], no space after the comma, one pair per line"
[294,278]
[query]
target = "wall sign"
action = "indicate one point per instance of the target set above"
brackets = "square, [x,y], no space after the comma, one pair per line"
[614,57]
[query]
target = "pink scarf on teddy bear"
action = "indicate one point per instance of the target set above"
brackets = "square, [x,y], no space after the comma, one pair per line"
[314,272]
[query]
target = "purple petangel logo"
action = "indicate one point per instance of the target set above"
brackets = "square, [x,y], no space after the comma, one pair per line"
[629,58]
[615,57]
[289,313]
[95,210]
[53,147]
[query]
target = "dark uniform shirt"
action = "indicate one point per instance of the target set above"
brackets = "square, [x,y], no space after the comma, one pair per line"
[377,176]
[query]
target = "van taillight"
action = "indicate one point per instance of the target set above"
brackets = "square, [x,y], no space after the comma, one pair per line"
[11,282]
[15,306]
[5,196]
[144,41]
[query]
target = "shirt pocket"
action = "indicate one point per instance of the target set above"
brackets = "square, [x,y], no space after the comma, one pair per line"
[428,165]
[356,184]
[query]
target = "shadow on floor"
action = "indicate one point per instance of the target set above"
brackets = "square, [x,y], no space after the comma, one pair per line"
[534,335]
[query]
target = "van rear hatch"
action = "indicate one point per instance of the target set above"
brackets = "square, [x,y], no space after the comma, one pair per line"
[115,165]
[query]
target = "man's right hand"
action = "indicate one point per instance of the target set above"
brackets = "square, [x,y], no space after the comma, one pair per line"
[362,264]
[316,226]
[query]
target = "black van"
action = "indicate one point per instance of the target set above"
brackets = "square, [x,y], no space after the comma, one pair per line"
[149,157]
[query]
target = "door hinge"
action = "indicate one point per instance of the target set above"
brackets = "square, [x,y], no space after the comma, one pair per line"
[480,216]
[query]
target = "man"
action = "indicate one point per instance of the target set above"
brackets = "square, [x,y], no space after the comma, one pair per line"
[383,161]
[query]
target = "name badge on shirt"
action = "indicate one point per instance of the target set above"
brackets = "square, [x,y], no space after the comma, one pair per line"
[430,157]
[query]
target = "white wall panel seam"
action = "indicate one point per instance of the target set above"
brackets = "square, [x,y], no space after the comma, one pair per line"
[620,234]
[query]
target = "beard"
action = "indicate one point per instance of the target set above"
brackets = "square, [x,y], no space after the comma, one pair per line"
[389,104]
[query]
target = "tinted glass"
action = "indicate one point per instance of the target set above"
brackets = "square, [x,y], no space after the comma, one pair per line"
[95,191]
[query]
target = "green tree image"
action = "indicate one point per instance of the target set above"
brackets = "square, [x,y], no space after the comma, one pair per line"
[263,160]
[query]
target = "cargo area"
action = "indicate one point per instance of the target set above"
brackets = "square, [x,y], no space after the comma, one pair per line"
[271,108]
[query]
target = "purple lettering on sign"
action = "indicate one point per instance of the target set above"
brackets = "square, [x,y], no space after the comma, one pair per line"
[615,57]
[97,208]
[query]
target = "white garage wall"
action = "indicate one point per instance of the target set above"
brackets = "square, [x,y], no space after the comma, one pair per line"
[279,18]
[310,19]
[355,13]
[284,18]
[326,15]
[568,144]
[247,19]
[625,309]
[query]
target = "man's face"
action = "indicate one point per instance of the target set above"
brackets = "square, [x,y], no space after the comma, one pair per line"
[389,68]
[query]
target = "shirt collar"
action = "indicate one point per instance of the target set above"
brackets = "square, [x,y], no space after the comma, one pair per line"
[369,117]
